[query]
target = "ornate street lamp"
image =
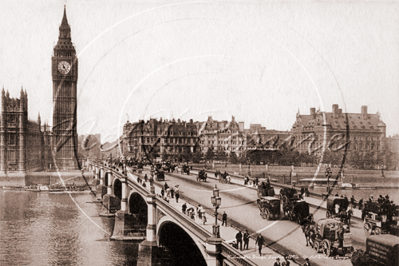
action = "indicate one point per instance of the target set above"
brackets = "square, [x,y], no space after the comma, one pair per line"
[216,202]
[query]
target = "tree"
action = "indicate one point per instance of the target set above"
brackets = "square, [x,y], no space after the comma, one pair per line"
[197,156]
[187,155]
[233,158]
[210,154]
[220,154]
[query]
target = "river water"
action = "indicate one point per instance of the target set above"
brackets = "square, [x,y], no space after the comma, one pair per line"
[58,229]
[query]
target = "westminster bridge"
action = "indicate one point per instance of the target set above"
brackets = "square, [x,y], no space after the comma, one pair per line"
[142,215]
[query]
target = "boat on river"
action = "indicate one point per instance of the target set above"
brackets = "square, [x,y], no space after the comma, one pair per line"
[19,188]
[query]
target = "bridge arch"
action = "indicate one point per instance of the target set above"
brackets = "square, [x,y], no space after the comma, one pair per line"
[171,235]
[117,188]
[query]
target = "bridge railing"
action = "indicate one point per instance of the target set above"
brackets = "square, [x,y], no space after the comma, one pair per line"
[235,257]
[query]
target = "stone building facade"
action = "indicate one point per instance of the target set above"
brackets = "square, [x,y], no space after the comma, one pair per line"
[159,136]
[22,142]
[362,132]
[221,135]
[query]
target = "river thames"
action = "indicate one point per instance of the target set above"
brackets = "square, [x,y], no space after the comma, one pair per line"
[58,229]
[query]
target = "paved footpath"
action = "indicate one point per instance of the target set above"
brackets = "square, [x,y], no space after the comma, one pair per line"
[315,202]
[228,233]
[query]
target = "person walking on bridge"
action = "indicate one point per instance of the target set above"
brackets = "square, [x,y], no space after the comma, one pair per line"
[239,239]
[177,194]
[224,219]
[260,241]
[246,239]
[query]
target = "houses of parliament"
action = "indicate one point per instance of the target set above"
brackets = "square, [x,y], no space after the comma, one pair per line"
[27,146]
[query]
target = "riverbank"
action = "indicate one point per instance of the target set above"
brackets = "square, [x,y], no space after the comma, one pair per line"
[45,178]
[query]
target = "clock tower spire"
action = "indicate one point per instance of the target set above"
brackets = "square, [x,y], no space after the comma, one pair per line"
[65,76]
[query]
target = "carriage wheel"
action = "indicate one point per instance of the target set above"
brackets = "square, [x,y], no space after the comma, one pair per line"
[326,246]
[377,231]
[267,214]
[367,229]
[316,246]
[328,214]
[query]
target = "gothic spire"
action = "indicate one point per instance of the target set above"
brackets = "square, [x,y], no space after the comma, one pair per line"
[64,18]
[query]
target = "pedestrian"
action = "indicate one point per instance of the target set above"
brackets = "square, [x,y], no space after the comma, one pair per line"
[306,262]
[285,262]
[256,181]
[172,192]
[260,241]
[162,192]
[277,263]
[302,191]
[246,239]
[165,186]
[184,208]
[177,194]
[151,181]
[199,211]
[353,202]
[245,180]
[224,219]
[349,215]
[239,239]
[371,198]
[204,219]
[360,204]
[307,192]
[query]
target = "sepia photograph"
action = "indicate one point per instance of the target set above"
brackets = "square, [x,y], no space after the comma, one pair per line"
[218,133]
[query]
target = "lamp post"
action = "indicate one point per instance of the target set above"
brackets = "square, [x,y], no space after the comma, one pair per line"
[216,202]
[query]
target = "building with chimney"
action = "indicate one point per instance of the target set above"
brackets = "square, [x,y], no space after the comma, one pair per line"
[221,135]
[157,137]
[362,132]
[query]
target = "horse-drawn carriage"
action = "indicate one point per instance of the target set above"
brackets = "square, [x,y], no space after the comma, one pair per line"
[336,208]
[269,207]
[159,175]
[293,208]
[265,189]
[224,178]
[381,218]
[382,250]
[201,176]
[329,236]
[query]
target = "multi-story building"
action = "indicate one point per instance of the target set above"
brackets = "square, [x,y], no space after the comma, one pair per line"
[158,137]
[221,135]
[362,132]
[22,144]
[259,137]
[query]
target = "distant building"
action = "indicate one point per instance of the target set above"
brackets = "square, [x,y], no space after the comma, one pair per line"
[393,143]
[221,135]
[173,138]
[362,132]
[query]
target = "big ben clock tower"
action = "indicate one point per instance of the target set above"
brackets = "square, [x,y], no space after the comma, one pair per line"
[64,65]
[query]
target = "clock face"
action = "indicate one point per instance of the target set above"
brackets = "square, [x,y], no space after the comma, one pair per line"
[64,67]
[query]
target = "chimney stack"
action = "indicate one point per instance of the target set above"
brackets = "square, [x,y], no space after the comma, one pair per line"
[313,112]
[364,111]
[335,110]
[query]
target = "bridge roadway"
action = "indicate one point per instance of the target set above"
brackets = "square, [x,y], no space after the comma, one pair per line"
[228,233]
[240,205]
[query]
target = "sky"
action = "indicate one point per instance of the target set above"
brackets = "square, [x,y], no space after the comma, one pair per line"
[260,61]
